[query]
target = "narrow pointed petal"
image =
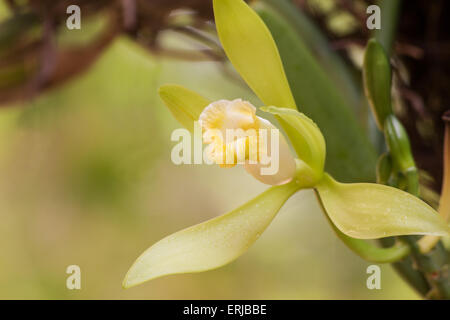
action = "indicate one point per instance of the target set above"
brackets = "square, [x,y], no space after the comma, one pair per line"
[252,51]
[184,104]
[213,243]
[369,211]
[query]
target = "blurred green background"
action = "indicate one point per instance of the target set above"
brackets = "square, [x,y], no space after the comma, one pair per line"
[86,179]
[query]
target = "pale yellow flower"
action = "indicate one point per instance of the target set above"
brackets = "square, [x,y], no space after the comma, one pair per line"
[237,136]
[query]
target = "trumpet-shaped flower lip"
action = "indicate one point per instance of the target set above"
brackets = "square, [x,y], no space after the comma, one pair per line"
[237,135]
[229,115]
[231,127]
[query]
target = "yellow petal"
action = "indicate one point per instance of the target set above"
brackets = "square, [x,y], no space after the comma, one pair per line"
[252,51]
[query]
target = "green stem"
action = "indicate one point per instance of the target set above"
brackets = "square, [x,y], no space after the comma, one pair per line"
[426,272]
[434,265]
[405,268]
[412,179]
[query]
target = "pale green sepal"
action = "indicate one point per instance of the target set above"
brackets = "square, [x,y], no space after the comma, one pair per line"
[184,104]
[252,51]
[368,250]
[213,243]
[370,211]
[305,136]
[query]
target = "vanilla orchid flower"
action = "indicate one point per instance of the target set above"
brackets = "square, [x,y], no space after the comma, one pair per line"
[356,211]
[237,135]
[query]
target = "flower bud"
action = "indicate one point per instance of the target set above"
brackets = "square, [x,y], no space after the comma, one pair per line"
[377,81]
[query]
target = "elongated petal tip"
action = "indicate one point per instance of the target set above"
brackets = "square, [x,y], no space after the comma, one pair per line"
[210,244]
[370,211]
[251,49]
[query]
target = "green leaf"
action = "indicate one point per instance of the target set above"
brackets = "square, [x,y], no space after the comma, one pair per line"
[350,156]
[252,51]
[369,211]
[184,104]
[305,136]
[343,74]
[213,243]
[377,81]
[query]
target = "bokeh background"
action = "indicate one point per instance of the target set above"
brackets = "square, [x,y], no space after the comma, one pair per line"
[86,179]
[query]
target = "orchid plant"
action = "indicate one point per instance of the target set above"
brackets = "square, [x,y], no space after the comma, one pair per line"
[356,211]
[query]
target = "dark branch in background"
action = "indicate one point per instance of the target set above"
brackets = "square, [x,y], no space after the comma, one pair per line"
[31,61]
[47,58]
[129,14]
